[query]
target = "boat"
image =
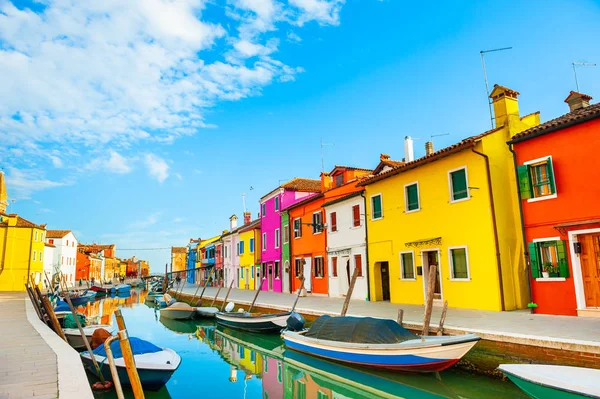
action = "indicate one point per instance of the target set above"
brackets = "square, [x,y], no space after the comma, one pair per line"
[557,382]
[154,365]
[80,299]
[254,322]
[74,336]
[178,311]
[378,343]
[102,290]
[122,288]
[164,301]
[206,312]
[137,283]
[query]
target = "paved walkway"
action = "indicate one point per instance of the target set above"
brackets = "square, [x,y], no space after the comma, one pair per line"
[521,326]
[27,364]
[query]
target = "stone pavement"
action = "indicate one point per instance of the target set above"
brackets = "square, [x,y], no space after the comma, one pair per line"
[28,367]
[561,332]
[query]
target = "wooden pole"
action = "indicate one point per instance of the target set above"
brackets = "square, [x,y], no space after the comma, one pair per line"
[298,295]
[202,293]
[134,378]
[443,319]
[215,298]
[431,275]
[227,296]
[256,295]
[53,319]
[349,293]
[36,305]
[113,368]
[400,316]
[196,292]
[181,288]
[50,287]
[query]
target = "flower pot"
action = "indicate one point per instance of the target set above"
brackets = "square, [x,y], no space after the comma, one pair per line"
[553,274]
[545,274]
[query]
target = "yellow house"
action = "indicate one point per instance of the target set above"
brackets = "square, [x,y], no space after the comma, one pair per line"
[178,260]
[248,249]
[122,268]
[456,208]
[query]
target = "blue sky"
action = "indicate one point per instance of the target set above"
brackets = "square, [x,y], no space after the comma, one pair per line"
[142,123]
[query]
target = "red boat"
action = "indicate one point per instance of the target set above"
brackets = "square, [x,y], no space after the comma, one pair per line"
[103,290]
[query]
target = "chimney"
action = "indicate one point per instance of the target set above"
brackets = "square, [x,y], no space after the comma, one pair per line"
[247,218]
[409,152]
[233,222]
[326,182]
[506,104]
[428,148]
[577,101]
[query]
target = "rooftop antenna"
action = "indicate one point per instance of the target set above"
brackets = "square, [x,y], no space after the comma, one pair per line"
[323,154]
[580,63]
[439,135]
[487,90]
[244,201]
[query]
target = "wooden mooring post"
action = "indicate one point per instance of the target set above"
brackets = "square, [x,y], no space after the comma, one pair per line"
[349,293]
[227,296]
[298,295]
[443,319]
[431,275]
[215,298]
[256,295]
[400,316]
[134,378]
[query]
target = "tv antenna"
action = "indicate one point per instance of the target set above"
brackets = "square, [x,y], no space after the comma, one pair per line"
[244,201]
[487,90]
[580,63]
[323,154]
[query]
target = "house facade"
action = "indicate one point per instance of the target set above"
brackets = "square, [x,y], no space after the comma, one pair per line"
[179,261]
[65,254]
[271,205]
[455,208]
[229,271]
[219,261]
[192,249]
[49,268]
[557,168]
[248,248]
[285,251]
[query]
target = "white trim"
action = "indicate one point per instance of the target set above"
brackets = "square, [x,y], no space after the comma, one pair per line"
[271,194]
[547,239]
[406,197]
[263,244]
[576,263]
[544,197]
[294,228]
[452,201]
[538,160]
[315,265]
[439,269]
[313,221]
[402,266]
[277,238]
[451,266]
[371,205]
[550,279]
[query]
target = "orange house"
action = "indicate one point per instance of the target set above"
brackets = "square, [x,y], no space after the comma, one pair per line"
[82,268]
[308,238]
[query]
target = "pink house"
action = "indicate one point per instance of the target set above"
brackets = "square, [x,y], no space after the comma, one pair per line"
[272,378]
[270,205]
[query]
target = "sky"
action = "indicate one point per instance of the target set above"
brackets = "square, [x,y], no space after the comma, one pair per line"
[142,123]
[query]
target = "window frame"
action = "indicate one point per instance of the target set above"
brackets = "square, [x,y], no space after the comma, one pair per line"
[322,266]
[451,263]
[318,230]
[373,208]
[276,200]
[286,234]
[333,222]
[251,245]
[536,161]
[362,269]
[402,276]
[298,267]
[354,225]
[263,208]
[450,189]
[333,264]
[406,186]
[277,270]
[34,255]
[264,241]
[299,228]
[277,238]
[336,182]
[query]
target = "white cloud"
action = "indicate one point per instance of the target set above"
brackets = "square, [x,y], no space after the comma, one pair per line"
[150,220]
[56,161]
[157,167]
[326,12]
[22,183]
[116,163]
[293,38]
[178,176]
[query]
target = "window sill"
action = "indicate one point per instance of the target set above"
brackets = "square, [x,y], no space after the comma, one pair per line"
[407,279]
[320,232]
[460,279]
[550,279]
[460,200]
[545,197]
[356,227]
[376,219]
[412,211]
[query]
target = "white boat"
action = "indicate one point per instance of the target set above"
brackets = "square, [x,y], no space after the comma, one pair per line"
[74,336]
[541,381]
[254,322]
[178,311]
[206,311]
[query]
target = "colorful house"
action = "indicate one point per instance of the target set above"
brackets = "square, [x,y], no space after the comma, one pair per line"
[229,271]
[206,258]
[271,204]
[456,208]
[248,248]
[219,260]
[191,259]
[557,170]
[82,268]
[285,251]
[65,255]
[179,261]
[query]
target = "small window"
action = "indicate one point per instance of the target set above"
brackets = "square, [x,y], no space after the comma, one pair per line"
[252,245]
[549,257]
[317,223]
[35,235]
[333,219]
[339,179]
[536,179]
[297,228]
[407,265]
[264,241]
[277,238]
[51,241]
[242,272]
[334,266]
[34,253]
[301,391]
[67,243]
[358,264]
[459,264]
[376,210]
[286,233]
[411,197]
[458,185]
[298,267]
[319,267]
[356,215]
[277,270]
[41,256]
[264,210]
[241,247]
[276,203]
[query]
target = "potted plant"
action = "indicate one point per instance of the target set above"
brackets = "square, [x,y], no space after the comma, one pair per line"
[554,271]
[546,269]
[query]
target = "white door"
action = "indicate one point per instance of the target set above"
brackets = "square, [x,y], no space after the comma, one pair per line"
[345,275]
[308,274]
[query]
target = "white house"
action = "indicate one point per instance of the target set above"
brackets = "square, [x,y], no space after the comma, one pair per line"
[65,252]
[229,253]
[50,269]
[346,245]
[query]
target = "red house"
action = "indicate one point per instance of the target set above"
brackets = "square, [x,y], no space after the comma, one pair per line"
[219,262]
[559,185]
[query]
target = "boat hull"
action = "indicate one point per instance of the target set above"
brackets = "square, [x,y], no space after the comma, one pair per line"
[538,391]
[206,312]
[74,336]
[266,324]
[177,313]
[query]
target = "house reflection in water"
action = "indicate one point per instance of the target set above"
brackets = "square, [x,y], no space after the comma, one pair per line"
[101,310]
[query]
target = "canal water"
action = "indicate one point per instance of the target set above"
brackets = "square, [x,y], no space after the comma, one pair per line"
[219,362]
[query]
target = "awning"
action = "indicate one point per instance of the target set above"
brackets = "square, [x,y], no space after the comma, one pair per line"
[563,227]
[424,242]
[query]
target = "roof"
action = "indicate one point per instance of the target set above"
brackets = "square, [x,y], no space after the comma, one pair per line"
[343,198]
[204,243]
[50,245]
[179,250]
[467,143]
[250,226]
[57,233]
[349,168]
[22,222]
[93,248]
[304,202]
[301,184]
[384,160]
[574,117]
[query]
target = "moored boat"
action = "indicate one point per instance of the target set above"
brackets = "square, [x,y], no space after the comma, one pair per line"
[178,311]
[254,322]
[80,299]
[378,343]
[74,336]
[206,312]
[554,382]
[102,290]
[120,288]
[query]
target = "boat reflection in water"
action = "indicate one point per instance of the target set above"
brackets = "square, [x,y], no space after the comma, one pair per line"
[101,310]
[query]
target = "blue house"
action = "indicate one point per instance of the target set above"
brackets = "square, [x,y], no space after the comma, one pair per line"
[191,260]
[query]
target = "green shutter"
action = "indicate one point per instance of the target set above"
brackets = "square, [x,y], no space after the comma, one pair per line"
[563,263]
[459,184]
[533,260]
[412,196]
[376,201]
[524,181]
[550,172]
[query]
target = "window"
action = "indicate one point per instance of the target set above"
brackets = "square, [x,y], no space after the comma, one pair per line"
[286,233]
[358,264]
[536,179]
[322,395]
[334,266]
[411,197]
[333,221]
[72,243]
[252,245]
[277,270]
[376,211]
[263,270]
[298,267]
[356,215]
[339,179]
[459,189]
[277,238]
[264,242]
[264,210]
[459,263]
[297,228]
[301,392]
[319,267]
[242,272]
[407,265]
[317,223]
[549,256]
[50,241]
[276,203]
[67,243]
[41,256]
[241,247]
[35,235]
[225,251]
[62,260]
[34,253]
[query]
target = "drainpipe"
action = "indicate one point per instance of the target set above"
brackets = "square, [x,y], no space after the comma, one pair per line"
[362,194]
[30,249]
[525,248]
[493,209]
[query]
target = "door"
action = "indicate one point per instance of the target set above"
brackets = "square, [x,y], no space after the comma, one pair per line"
[308,274]
[590,268]
[431,258]
[385,280]
[270,276]
[344,272]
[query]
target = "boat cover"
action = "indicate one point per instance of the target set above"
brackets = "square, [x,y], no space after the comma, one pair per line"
[138,346]
[61,306]
[362,330]
[69,321]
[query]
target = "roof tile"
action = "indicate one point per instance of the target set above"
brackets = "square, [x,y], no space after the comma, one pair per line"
[301,184]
